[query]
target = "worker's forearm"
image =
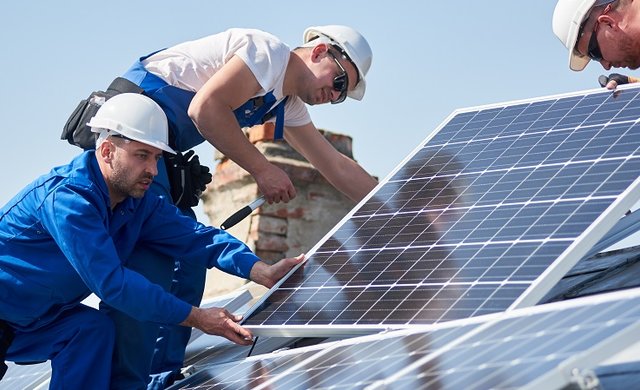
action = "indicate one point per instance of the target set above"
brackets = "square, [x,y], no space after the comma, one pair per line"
[356,183]
[220,128]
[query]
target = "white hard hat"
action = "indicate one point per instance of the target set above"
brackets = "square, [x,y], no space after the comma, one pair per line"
[568,17]
[353,43]
[136,117]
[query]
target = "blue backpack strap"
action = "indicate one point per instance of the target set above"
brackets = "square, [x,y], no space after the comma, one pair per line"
[279,111]
[138,74]
[259,110]
[183,134]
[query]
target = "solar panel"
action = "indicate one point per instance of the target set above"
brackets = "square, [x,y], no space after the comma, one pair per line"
[536,348]
[467,224]
[25,377]
[400,349]
[544,347]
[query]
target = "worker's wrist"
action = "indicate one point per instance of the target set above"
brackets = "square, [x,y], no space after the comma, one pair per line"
[193,318]
[258,273]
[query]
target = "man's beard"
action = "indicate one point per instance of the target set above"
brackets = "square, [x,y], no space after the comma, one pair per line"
[122,183]
[631,51]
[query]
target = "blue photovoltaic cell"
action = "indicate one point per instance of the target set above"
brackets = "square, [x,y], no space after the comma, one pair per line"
[468,222]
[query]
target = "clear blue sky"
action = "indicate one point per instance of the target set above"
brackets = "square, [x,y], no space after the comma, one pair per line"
[430,58]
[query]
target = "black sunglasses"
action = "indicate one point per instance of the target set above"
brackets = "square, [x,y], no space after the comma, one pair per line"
[593,50]
[340,82]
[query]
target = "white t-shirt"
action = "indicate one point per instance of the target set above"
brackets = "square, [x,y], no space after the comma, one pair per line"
[189,65]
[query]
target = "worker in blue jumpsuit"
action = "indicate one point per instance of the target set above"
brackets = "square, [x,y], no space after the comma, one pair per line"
[68,233]
[209,89]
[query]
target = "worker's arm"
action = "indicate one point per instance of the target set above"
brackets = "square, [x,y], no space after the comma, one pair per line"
[221,322]
[212,112]
[341,171]
[615,79]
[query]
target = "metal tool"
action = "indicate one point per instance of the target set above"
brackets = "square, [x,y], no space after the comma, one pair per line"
[242,213]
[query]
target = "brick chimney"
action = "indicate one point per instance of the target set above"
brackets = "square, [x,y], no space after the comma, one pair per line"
[278,230]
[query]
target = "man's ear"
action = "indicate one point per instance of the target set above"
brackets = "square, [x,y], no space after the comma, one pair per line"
[106,150]
[607,20]
[319,51]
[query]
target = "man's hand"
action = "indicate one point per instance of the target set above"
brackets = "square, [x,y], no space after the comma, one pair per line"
[268,275]
[615,79]
[220,322]
[274,184]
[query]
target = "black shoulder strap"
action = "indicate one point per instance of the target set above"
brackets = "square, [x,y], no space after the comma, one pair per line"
[6,337]
[122,85]
[279,129]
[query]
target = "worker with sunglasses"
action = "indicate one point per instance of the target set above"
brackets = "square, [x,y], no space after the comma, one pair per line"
[210,88]
[601,30]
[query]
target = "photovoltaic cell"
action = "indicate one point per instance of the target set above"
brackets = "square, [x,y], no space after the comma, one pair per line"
[470,221]
[525,348]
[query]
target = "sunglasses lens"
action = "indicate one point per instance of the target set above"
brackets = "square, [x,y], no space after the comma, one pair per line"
[340,83]
[594,48]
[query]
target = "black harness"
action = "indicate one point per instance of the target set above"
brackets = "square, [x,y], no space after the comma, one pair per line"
[6,337]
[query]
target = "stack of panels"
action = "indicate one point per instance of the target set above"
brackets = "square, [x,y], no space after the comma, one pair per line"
[467,223]
[344,361]
[543,347]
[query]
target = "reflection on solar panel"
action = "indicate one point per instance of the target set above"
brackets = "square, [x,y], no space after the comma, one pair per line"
[25,377]
[535,348]
[468,222]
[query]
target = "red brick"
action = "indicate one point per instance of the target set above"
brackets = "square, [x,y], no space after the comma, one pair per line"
[263,132]
[282,211]
[270,257]
[228,172]
[269,224]
[272,242]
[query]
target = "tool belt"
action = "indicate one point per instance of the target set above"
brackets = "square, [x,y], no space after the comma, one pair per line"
[6,337]
[187,178]
[76,131]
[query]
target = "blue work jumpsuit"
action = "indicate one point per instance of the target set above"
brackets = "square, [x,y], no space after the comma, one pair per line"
[143,344]
[60,240]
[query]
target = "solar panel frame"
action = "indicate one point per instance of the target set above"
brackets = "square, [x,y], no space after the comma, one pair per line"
[563,263]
